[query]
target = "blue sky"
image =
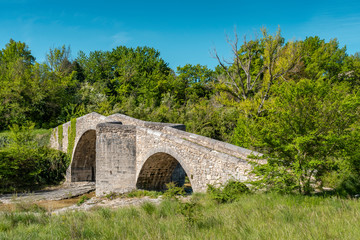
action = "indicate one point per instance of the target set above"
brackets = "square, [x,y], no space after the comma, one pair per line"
[183,31]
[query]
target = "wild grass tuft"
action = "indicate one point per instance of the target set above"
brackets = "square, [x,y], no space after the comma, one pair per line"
[143,193]
[82,200]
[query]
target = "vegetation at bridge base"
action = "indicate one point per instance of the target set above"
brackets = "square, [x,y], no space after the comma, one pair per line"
[231,192]
[26,165]
[252,216]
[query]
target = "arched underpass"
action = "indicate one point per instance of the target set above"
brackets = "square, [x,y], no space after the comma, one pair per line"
[83,165]
[160,169]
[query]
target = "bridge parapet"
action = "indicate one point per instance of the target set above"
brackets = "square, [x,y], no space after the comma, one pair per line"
[220,146]
[126,120]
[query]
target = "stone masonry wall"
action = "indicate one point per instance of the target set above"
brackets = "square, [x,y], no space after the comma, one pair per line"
[220,146]
[83,124]
[115,158]
[126,120]
[202,165]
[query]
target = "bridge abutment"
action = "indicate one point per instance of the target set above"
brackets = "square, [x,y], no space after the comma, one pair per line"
[115,158]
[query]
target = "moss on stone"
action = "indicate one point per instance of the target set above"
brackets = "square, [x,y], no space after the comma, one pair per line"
[60,136]
[71,136]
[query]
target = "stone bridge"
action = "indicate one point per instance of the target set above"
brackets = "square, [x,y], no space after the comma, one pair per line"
[121,153]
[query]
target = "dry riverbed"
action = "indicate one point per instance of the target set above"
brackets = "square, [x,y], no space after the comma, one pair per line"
[70,197]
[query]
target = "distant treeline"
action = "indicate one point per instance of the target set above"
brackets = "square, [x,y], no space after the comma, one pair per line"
[297,102]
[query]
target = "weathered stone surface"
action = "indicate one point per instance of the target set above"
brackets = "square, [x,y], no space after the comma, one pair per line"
[66,191]
[123,153]
[115,158]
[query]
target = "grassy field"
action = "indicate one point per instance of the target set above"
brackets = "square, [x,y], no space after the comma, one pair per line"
[254,216]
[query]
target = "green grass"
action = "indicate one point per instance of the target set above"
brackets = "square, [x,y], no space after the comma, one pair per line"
[143,193]
[253,216]
[42,136]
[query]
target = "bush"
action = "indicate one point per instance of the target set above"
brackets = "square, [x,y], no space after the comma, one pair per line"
[24,165]
[4,141]
[41,166]
[349,186]
[191,211]
[229,193]
[173,191]
[142,193]
[83,199]
[111,195]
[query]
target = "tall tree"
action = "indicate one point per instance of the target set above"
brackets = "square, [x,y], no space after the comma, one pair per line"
[322,59]
[303,134]
[194,82]
[256,66]
[18,90]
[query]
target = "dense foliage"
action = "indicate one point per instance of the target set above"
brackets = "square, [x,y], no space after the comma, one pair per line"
[231,192]
[25,165]
[297,102]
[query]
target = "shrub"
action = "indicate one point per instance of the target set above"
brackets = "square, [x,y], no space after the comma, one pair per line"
[143,193]
[4,141]
[191,211]
[83,199]
[229,193]
[24,165]
[173,191]
[111,195]
[349,186]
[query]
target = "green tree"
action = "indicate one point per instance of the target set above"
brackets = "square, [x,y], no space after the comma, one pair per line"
[18,90]
[303,134]
[139,72]
[322,59]
[125,75]
[351,70]
[194,82]
[257,65]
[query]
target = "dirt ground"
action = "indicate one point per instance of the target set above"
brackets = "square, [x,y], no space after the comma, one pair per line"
[66,198]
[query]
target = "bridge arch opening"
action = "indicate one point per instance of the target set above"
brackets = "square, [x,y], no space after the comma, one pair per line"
[160,169]
[83,165]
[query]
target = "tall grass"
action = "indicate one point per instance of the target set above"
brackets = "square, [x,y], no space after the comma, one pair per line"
[256,216]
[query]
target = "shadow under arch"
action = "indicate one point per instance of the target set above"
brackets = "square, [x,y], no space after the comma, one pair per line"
[83,164]
[160,169]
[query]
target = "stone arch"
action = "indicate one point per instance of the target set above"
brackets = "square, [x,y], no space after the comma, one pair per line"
[160,168]
[83,164]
